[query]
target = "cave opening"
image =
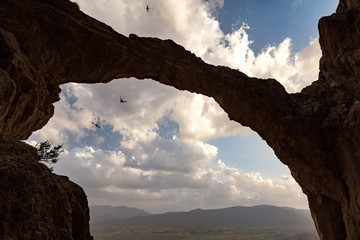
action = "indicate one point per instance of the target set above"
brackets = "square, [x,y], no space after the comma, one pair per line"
[163,118]
[323,172]
[162,150]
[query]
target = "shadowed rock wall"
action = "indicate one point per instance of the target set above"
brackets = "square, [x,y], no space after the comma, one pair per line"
[35,203]
[316,132]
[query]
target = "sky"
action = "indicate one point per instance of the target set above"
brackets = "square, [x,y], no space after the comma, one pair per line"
[170,150]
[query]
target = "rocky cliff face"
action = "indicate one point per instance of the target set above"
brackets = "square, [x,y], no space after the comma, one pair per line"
[35,203]
[315,132]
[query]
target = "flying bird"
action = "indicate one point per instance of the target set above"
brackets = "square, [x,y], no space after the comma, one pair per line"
[122,100]
[147,8]
[96,125]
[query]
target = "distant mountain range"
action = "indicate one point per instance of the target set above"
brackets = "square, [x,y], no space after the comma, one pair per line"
[105,213]
[257,216]
[257,223]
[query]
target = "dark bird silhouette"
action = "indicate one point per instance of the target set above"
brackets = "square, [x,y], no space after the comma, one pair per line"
[147,8]
[122,100]
[96,125]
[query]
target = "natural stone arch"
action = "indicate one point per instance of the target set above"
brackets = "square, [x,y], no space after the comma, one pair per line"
[315,132]
[143,152]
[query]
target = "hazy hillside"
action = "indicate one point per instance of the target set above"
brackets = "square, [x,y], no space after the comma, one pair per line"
[104,213]
[258,216]
[258,222]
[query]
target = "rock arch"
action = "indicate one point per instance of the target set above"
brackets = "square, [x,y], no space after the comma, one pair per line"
[316,133]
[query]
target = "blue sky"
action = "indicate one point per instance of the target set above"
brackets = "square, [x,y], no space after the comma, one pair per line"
[273,21]
[169,150]
[270,23]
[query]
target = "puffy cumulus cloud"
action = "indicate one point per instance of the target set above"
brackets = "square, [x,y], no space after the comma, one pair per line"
[252,187]
[95,168]
[138,120]
[307,65]
[201,118]
[193,25]
[232,49]
[165,19]
[107,178]
[293,71]
[54,128]
[180,156]
[176,169]
[68,121]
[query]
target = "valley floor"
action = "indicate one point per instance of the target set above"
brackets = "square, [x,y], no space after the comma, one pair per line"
[228,233]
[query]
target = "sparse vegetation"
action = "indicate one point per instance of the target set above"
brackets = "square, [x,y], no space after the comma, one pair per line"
[48,154]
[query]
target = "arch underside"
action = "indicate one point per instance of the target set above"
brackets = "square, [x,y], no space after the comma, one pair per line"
[315,132]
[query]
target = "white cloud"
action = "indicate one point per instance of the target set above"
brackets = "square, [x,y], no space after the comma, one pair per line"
[172,156]
[190,24]
[106,178]
[294,72]
[307,65]
[213,5]
[201,118]
[136,120]
[144,167]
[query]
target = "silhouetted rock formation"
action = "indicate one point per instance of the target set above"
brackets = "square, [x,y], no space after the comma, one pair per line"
[316,132]
[35,203]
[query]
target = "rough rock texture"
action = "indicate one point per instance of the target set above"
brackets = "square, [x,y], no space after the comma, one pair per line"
[36,204]
[316,132]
